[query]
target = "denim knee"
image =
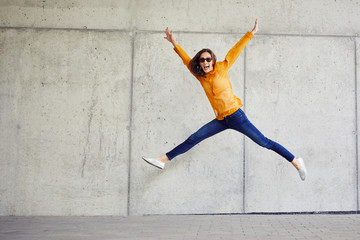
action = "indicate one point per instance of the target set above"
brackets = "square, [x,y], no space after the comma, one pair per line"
[266,143]
[193,139]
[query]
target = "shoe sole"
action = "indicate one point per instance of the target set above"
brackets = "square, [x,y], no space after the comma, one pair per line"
[151,163]
[303,166]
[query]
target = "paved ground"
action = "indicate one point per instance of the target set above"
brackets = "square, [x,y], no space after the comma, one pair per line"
[322,226]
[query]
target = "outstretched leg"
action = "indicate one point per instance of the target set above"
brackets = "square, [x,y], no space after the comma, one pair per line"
[208,130]
[238,121]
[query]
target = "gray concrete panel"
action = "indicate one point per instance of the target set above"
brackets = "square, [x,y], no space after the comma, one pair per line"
[301,93]
[168,106]
[98,14]
[286,17]
[65,99]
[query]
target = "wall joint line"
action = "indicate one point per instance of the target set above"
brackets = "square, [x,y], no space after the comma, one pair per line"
[244,139]
[130,119]
[356,130]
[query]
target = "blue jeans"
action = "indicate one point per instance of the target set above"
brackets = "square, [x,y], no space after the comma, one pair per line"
[237,121]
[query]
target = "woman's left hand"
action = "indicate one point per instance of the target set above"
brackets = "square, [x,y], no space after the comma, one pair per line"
[255,29]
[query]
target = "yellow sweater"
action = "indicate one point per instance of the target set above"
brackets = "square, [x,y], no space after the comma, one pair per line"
[216,83]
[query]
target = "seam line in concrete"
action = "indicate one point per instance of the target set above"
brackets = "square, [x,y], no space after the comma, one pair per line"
[70,29]
[257,34]
[244,139]
[356,129]
[131,120]
[262,213]
[182,31]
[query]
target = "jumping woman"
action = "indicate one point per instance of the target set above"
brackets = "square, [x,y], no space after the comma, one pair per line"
[214,78]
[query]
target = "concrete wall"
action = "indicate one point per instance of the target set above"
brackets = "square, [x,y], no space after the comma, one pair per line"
[88,87]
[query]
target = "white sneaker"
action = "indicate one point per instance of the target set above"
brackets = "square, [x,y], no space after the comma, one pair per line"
[302,171]
[154,162]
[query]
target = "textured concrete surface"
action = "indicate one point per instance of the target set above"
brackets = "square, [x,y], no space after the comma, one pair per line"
[104,14]
[286,17]
[64,116]
[98,87]
[300,92]
[183,227]
[296,17]
[168,106]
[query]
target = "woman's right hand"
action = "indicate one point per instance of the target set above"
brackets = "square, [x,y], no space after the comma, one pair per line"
[255,29]
[169,37]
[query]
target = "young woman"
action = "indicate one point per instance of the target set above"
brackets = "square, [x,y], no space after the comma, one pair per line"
[214,78]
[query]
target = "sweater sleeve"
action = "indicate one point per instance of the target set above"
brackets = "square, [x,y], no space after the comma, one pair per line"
[186,59]
[235,51]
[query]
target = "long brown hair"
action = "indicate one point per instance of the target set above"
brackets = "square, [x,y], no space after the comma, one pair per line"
[194,65]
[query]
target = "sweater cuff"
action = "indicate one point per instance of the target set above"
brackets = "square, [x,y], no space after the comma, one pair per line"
[249,35]
[177,47]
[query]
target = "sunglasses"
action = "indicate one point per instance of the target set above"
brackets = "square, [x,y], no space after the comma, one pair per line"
[207,59]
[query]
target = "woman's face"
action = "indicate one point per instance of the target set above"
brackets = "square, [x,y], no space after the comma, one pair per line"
[206,62]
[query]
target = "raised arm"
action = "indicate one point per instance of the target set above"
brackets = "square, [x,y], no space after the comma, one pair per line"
[169,36]
[235,51]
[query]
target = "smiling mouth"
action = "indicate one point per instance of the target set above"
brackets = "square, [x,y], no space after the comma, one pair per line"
[206,68]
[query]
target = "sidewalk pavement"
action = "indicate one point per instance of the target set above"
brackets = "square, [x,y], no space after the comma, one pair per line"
[302,226]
